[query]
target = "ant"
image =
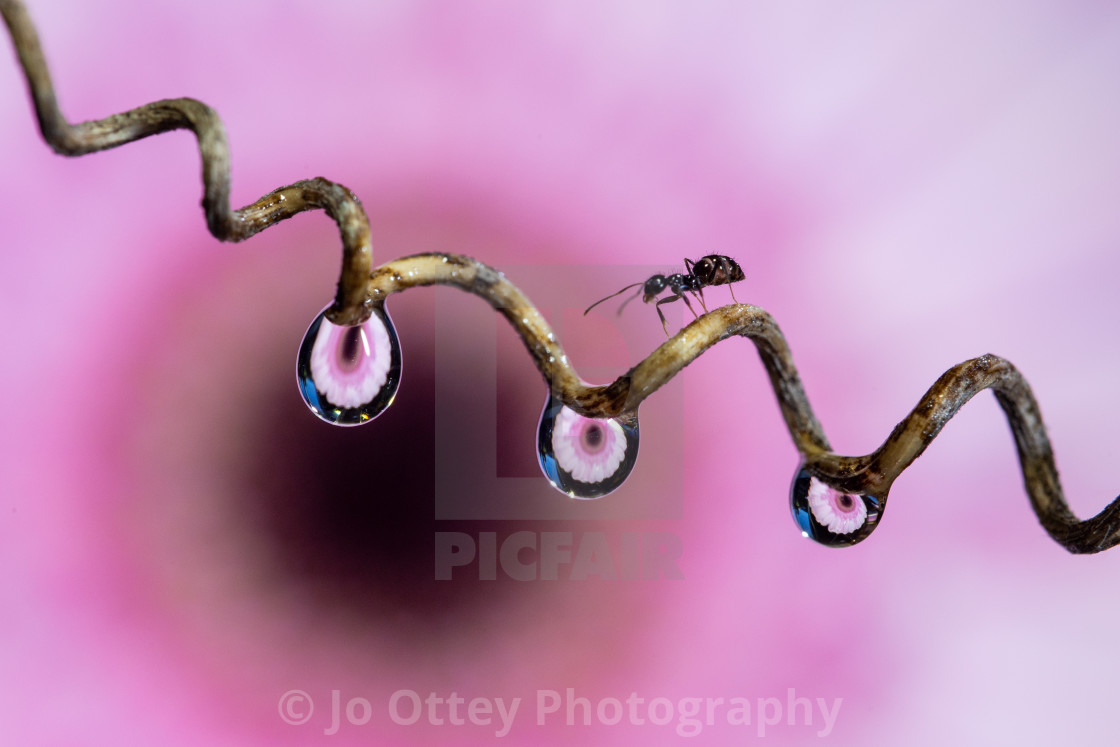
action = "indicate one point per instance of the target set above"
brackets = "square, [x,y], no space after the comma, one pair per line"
[713,269]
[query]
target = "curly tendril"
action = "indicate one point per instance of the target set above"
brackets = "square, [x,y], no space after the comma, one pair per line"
[834,480]
[871,475]
[225,223]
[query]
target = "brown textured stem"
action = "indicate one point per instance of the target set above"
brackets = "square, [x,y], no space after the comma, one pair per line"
[358,287]
[350,304]
[872,474]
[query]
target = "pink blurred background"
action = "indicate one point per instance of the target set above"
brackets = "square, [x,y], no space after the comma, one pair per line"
[906,188]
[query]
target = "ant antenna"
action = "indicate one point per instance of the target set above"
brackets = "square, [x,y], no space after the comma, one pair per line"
[632,285]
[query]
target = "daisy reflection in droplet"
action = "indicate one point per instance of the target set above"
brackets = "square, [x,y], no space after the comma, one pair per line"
[840,513]
[585,457]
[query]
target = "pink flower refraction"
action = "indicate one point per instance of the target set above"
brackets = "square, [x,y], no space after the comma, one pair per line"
[840,513]
[589,450]
[351,364]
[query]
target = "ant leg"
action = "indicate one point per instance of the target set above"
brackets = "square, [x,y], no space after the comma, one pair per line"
[732,293]
[667,299]
[689,305]
[664,324]
[698,294]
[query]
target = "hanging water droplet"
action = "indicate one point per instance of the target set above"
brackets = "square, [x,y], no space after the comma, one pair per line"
[830,517]
[585,457]
[349,375]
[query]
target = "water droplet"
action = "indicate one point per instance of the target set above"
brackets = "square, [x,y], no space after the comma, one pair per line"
[349,375]
[830,517]
[585,457]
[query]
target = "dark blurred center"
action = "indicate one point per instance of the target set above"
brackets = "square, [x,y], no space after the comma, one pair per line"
[348,512]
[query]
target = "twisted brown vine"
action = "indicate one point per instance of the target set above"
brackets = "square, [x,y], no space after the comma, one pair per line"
[225,223]
[359,288]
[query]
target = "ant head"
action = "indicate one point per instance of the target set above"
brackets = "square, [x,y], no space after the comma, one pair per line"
[653,287]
